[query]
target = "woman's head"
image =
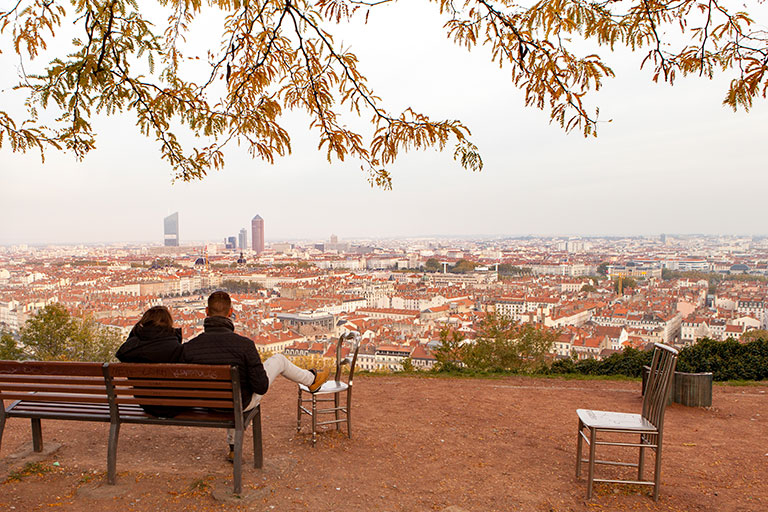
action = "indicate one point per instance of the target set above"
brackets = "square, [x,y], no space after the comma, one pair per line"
[157,315]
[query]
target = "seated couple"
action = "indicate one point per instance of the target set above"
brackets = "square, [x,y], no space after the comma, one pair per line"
[154,340]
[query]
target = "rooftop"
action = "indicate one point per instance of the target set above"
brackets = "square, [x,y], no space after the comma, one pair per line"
[418,444]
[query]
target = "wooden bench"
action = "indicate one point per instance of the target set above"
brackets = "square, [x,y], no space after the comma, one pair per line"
[210,396]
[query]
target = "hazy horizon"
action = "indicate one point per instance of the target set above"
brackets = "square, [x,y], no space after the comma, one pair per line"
[466,237]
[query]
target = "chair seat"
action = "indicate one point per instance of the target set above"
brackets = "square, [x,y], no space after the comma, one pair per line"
[330,386]
[614,420]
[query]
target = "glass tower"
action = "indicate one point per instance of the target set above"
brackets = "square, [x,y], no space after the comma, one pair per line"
[171,225]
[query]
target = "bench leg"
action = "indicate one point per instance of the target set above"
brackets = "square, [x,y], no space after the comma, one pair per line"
[114,431]
[238,463]
[37,435]
[2,424]
[258,454]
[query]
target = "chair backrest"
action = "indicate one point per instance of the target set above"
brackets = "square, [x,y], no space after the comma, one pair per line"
[351,359]
[659,383]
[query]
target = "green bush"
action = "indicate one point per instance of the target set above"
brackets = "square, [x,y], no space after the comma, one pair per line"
[629,362]
[727,360]
[495,352]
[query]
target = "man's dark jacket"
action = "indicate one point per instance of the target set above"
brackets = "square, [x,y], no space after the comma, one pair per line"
[152,344]
[218,344]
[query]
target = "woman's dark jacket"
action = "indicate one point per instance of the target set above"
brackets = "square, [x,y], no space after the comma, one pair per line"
[152,344]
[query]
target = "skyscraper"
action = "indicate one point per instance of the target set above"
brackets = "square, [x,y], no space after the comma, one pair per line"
[257,234]
[242,239]
[171,225]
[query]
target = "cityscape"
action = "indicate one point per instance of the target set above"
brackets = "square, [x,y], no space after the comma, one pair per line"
[503,221]
[599,294]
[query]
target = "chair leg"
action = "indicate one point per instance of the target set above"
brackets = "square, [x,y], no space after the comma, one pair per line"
[349,413]
[314,420]
[37,435]
[237,472]
[591,471]
[336,410]
[641,461]
[298,411]
[578,449]
[258,450]
[657,474]
[114,433]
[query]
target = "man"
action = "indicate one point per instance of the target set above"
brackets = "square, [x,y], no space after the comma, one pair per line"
[219,344]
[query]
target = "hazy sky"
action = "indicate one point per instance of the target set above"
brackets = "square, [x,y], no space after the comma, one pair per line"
[673,160]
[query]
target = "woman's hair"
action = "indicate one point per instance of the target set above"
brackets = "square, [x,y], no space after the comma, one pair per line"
[157,315]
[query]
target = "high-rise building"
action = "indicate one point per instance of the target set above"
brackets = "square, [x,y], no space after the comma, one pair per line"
[242,239]
[171,229]
[230,242]
[257,234]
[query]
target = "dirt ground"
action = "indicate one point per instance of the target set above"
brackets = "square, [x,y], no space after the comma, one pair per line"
[417,444]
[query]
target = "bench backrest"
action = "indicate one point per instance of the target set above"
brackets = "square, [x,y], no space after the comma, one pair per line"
[185,385]
[38,381]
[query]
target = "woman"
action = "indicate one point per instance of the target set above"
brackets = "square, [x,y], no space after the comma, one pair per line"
[153,340]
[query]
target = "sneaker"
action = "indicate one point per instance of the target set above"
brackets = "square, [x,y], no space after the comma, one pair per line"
[320,377]
[231,456]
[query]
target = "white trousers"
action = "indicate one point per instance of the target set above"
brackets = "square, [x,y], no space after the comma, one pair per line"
[276,365]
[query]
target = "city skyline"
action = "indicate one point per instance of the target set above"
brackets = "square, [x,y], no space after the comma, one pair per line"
[671,160]
[481,237]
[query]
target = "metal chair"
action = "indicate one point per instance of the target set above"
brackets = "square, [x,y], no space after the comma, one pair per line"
[649,425]
[335,387]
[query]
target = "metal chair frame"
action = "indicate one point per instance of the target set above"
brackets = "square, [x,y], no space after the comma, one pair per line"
[336,388]
[649,425]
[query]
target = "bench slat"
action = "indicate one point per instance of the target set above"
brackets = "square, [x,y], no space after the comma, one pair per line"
[51,379]
[24,404]
[170,392]
[173,371]
[219,404]
[90,389]
[59,415]
[195,384]
[27,409]
[49,397]
[46,368]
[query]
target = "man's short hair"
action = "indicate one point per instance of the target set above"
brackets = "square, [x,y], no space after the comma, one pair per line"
[219,304]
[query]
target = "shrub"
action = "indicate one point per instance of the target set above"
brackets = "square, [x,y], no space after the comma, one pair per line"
[727,360]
